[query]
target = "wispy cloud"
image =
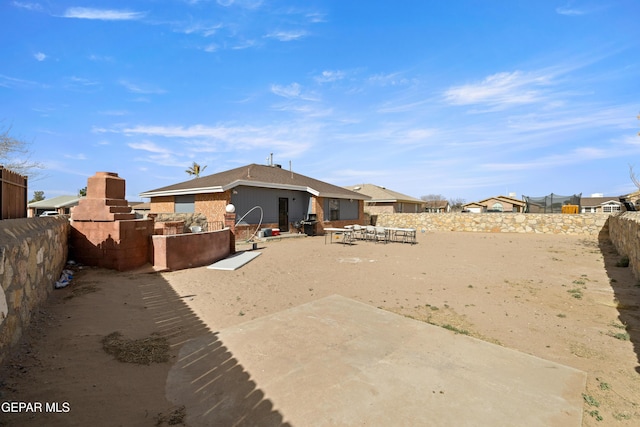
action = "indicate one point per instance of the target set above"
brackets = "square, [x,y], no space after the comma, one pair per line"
[316,17]
[141,89]
[291,91]
[13,82]
[247,4]
[328,76]
[294,91]
[287,36]
[36,7]
[102,14]
[572,10]
[285,138]
[78,156]
[40,56]
[150,147]
[390,79]
[100,58]
[505,88]
[205,30]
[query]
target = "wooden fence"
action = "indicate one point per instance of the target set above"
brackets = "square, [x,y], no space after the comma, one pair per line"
[13,194]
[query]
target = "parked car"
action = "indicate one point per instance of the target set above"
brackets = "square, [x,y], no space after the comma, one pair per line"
[49,213]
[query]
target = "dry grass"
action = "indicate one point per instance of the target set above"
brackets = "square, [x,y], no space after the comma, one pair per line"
[144,351]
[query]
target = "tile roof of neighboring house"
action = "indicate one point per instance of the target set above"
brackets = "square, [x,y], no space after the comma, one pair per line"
[381,194]
[55,202]
[597,201]
[255,175]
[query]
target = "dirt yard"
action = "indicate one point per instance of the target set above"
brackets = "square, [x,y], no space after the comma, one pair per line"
[560,298]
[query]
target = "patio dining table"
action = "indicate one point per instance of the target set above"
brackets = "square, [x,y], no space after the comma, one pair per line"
[345,233]
[404,235]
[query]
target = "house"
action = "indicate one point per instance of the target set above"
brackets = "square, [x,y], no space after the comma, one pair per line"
[600,204]
[496,204]
[141,209]
[437,206]
[264,196]
[383,200]
[60,204]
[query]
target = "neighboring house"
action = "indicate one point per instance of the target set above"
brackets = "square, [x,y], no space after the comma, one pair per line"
[437,206]
[383,200]
[600,205]
[633,198]
[60,204]
[285,198]
[496,204]
[141,209]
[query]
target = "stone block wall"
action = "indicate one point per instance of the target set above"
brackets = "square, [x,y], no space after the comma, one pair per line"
[624,232]
[33,253]
[590,224]
[189,220]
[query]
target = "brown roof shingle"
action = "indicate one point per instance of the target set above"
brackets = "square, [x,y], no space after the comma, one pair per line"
[255,175]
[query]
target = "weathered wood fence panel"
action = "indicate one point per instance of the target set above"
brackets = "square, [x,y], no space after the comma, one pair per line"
[13,194]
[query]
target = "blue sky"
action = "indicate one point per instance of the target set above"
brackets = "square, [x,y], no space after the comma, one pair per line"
[467,99]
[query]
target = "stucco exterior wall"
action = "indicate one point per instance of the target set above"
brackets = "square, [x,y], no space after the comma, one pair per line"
[33,252]
[189,250]
[380,208]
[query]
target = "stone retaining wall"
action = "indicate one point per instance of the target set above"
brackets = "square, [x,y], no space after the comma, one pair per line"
[33,252]
[624,232]
[590,224]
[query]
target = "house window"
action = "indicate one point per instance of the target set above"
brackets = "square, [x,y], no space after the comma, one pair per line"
[334,209]
[497,207]
[185,204]
[610,208]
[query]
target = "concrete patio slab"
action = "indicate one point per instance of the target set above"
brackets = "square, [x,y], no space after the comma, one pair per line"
[234,262]
[339,362]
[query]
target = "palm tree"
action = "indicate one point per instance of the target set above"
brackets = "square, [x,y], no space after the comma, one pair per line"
[195,169]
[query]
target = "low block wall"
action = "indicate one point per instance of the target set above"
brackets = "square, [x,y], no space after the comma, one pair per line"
[589,224]
[624,232]
[119,245]
[179,251]
[33,253]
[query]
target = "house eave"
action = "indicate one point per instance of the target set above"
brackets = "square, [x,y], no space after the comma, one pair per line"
[183,192]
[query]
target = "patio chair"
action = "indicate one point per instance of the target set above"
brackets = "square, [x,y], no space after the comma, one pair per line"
[358,232]
[370,232]
[380,234]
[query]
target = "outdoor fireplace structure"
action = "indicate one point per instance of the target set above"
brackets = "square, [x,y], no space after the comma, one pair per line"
[104,231]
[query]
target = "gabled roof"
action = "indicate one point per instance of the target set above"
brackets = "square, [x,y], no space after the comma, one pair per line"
[505,199]
[55,202]
[598,201]
[436,204]
[381,194]
[254,175]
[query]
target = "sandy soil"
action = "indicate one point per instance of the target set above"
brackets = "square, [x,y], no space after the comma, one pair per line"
[560,298]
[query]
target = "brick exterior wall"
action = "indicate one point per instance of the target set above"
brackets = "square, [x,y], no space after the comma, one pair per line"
[162,204]
[213,205]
